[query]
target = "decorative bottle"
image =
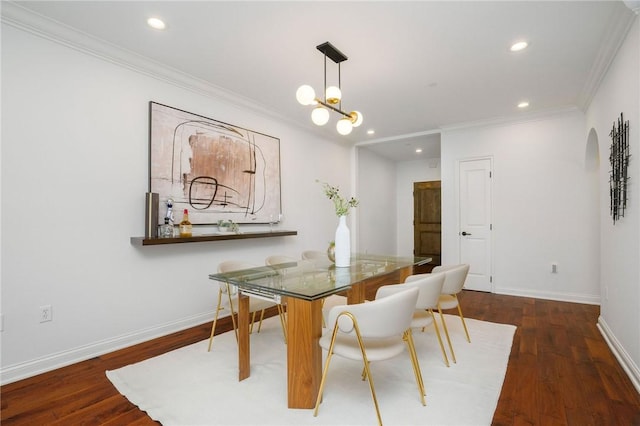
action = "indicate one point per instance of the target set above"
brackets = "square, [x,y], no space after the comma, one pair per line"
[166,230]
[169,214]
[343,244]
[185,225]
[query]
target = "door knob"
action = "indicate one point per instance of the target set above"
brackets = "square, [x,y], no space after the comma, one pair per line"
[465,233]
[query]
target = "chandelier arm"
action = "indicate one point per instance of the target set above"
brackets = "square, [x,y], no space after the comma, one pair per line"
[331,107]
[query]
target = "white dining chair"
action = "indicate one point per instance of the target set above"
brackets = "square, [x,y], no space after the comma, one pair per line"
[321,260]
[279,259]
[430,287]
[255,305]
[370,332]
[275,260]
[455,276]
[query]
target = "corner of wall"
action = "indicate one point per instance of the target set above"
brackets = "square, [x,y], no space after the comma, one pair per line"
[619,352]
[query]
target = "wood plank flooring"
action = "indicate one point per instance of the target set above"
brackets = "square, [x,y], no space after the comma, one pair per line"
[560,372]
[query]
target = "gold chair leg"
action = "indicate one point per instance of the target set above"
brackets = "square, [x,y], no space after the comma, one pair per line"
[261,318]
[446,332]
[367,371]
[215,319]
[283,322]
[253,321]
[464,324]
[405,337]
[435,325]
[413,355]
[373,391]
[325,370]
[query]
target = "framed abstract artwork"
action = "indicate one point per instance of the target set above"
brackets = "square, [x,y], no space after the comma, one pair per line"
[216,170]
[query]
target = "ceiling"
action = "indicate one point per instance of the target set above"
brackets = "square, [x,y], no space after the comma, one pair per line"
[413,68]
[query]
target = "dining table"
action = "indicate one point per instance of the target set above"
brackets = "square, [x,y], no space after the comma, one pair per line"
[302,286]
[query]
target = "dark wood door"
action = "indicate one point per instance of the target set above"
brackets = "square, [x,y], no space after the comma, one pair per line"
[427,220]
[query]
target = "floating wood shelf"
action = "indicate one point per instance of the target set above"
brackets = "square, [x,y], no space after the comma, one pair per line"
[142,241]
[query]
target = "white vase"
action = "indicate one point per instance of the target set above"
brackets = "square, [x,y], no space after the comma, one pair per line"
[343,244]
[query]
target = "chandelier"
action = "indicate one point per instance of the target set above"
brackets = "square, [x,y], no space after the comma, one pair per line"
[332,96]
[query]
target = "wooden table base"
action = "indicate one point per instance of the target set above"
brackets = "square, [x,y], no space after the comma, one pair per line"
[304,329]
[304,355]
[244,347]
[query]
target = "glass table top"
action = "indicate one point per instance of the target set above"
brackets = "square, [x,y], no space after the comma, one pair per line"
[312,279]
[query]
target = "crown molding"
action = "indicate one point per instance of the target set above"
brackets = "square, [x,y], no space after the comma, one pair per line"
[17,16]
[398,137]
[496,121]
[524,118]
[634,5]
[622,20]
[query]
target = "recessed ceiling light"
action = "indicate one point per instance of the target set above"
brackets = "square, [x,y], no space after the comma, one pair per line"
[519,46]
[523,104]
[418,150]
[156,23]
[371,132]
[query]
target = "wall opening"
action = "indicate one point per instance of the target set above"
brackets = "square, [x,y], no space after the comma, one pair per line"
[592,153]
[592,172]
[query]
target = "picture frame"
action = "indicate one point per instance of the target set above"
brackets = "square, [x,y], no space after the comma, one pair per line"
[216,170]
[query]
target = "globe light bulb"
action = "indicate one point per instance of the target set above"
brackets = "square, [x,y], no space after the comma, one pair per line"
[320,116]
[344,126]
[333,95]
[306,95]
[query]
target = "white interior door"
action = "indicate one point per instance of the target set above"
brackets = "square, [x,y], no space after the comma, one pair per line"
[475,221]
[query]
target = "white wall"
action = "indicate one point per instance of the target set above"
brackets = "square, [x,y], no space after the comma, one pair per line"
[74,174]
[385,191]
[620,253]
[408,172]
[376,212]
[540,193]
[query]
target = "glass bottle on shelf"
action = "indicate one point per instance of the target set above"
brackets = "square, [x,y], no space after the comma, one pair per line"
[185,225]
[166,230]
[169,214]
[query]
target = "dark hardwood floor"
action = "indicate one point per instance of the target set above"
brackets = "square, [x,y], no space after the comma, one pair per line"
[561,372]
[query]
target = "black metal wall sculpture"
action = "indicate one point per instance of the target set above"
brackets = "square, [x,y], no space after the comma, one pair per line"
[619,158]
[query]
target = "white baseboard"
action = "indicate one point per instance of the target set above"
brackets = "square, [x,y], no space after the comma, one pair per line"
[23,370]
[620,353]
[589,299]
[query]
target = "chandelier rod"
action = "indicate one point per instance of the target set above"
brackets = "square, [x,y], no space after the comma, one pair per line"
[337,59]
[339,85]
[331,107]
[325,76]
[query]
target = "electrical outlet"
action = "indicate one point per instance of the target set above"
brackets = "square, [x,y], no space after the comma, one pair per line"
[46,314]
[554,268]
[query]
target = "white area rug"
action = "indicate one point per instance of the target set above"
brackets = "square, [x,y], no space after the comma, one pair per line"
[190,386]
